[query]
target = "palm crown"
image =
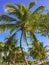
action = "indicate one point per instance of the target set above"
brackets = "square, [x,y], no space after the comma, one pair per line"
[24,19]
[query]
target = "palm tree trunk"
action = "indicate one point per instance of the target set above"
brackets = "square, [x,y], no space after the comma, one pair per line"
[26,62]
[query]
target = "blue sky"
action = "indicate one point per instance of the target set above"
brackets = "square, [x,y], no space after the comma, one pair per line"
[26,2]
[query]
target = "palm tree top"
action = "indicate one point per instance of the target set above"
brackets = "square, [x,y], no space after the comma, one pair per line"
[24,20]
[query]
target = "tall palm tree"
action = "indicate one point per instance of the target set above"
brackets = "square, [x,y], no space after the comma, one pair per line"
[25,21]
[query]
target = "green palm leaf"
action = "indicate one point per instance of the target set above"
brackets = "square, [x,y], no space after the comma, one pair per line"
[6,18]
[31,5]
[41,8]
[2,44]
[25,37]
[5,27]
[13,9]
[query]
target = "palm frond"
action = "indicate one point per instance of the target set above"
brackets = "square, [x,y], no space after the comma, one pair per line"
[13,9]
[22,10]
[44,29]
[10,42]
[14,6]
[31,5]
[5,27]
[2,44]
[41,8]
[25,37]
[7,18]
[33,36]
[17,27]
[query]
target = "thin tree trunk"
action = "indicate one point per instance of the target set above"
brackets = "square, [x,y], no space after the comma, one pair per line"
[26,62]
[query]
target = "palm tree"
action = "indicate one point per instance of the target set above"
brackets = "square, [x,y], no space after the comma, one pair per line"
[39,53]
[44,52]
[14,51]
[25,21]
[10,49]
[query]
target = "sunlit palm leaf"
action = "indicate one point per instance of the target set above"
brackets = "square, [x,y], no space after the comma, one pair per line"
[13,6]
[2,44]
[13,9]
